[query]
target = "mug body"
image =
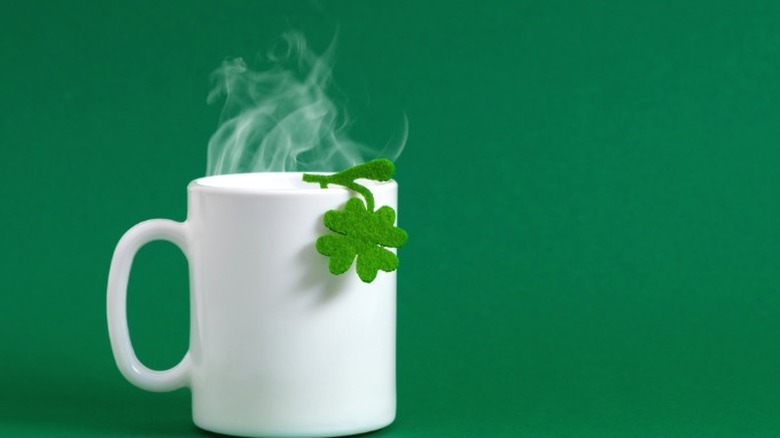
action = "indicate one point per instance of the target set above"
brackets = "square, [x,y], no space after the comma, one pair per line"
[280,346]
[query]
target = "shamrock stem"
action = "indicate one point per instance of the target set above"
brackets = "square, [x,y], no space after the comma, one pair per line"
[325,180]
[369,197]
[378,170]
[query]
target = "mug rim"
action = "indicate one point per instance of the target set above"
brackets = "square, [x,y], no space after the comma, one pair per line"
[274,183]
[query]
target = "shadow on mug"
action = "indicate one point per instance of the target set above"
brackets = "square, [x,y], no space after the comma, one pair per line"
[317,279]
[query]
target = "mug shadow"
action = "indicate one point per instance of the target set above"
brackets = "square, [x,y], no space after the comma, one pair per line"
[96,412]
[385,431]
[87,409]
[91,414]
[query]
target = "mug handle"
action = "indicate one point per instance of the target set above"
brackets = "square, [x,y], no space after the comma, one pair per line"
[116,306]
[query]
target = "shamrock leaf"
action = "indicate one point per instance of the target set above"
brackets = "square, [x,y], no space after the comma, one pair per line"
[363,234]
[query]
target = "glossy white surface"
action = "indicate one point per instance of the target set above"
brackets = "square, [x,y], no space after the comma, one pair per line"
[278,345]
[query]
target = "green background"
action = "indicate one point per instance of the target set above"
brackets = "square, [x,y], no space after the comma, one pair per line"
[591,190]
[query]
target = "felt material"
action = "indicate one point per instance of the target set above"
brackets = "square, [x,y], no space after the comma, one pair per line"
[363,234]
[380,169]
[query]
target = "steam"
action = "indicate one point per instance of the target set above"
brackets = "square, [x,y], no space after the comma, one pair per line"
[280,119]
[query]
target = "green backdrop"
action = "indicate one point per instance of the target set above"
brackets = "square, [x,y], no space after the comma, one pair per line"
[591,191]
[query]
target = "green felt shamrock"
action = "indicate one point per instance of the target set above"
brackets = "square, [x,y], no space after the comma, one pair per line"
[362,233]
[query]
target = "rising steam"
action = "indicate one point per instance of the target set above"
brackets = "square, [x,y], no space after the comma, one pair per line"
[280,119]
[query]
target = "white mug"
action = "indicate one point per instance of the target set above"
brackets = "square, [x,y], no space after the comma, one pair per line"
[279,346]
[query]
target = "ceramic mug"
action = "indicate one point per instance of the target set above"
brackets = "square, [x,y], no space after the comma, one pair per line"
[278,345]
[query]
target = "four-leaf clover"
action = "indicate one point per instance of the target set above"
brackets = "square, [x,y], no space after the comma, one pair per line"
[363,234]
